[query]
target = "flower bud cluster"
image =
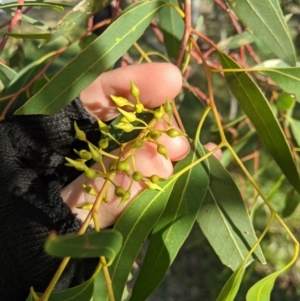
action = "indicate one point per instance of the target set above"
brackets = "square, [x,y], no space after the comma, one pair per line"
[131,120]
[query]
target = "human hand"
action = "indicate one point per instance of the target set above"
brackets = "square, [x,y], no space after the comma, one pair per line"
[156,81]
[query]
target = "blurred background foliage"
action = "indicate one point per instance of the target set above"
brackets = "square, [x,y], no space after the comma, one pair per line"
[197,273]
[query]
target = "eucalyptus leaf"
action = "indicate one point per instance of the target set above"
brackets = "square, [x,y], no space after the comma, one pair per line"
[286,78]
[6,74]
[26,35]
[292,201]
[135,224]
[265,20]
[295,127]
[174,225]
[91,244]
[52,5]
[172,27]
[258,110]
[82,292]
[93,60]
[224,219]
[231,287]
[261,290]
[236,41]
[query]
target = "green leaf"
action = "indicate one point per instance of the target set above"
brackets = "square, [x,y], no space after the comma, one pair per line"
[135,225]
[236,41]
[93,60]
[26,35]
[265,20]
[292,201]
[82,292]
[258,110]
[261,290]
[231,287]
[224,219]
[172,27]
[78,16]
[174,225]
[285,101]
[286,78]
[6,74]
[53,5]
[295,127]
[20,80]
[92,244]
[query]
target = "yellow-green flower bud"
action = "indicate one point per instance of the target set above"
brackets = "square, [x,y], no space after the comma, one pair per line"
[139,107]
[84,154]
[134,90]
[119,191]
[137,143]
[168,107]
[137,176]
[103,143]
[174,133]
[153,186]
[90,190]
[90,173]
[161,149]
[79,133]
[130,116]
[155,179]
[123,166]
[159,113]
[97,156]
[155,134]
[103,127]
[78,164]
[120,101]
[125,126]
[125,197]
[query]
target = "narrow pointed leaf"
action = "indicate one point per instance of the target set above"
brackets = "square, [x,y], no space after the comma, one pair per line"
[261,290]
[265,20]
[6,74]
[82,292]
[173,226]
[135,225]
[76,17]
[172,27]
[224,219]
[231,287]
[92,244]
[26,35]
[53,5]
[286,78]
[93,60]
[258,110]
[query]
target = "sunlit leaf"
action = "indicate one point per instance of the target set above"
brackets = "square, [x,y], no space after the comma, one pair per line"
[224,219]
[258,110]
[135,225]
[261,290]
[172,27]
[231,287]
[91,244]
[173,226]
[286,78]
[265,20]
[93,60]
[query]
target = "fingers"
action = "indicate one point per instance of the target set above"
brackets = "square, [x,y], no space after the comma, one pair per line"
[147,161]
[156,82]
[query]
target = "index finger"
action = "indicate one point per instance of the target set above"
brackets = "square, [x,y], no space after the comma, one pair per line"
[156,81]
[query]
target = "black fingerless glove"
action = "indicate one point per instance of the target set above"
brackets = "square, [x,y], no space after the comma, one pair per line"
[32,151]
